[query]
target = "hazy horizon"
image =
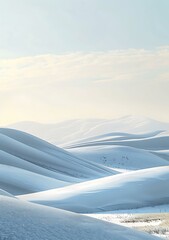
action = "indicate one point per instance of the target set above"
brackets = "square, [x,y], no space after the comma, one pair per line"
[62,60]
[136,118]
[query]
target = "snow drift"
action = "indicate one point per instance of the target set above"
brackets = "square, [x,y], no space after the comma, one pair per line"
[148,187]
[128,158]
[21,220]
[29,164]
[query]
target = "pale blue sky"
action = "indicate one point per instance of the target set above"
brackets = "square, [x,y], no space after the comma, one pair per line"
[64,59]
[31,27]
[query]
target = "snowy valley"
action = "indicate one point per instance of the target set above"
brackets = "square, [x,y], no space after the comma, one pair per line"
[85,179]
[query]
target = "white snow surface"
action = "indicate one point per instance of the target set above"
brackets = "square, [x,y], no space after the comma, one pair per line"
[164,208]
[75,130]
[152,141]
[19,181]
[124,150]
[141,188]
[106,167]
[21,220]
[120,156]
[29,164]
[4,193]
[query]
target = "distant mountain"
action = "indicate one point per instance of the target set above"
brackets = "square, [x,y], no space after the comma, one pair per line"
[74,130]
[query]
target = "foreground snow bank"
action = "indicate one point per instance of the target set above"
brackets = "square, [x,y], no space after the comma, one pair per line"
[21,220]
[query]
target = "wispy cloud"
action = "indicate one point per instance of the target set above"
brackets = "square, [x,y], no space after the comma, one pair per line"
[97,67]
[96,84]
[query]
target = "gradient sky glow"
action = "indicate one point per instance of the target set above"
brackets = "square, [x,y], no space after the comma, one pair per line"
[64,59]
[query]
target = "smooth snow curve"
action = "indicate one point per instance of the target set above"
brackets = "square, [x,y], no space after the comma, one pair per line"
[120,157]
[29,164]
[123,150]
[152,141]
[20,220]
[82,178]
[19,181]
[148,187]
[4,193]
[46,155]
[75,130]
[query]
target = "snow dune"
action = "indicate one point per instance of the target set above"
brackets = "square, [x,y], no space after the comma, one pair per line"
[120,157]
[147,187]
[152,141]
[29,164]
[19,181]
[4,193]
[32,154]
[21,220]
[80,178]
[123,150]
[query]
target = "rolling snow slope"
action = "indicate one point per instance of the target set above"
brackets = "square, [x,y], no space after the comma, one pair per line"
[35,151]
[19,181]
[4,193]
[152,141]
[119,157]
[81,178]
[75,130]
[147,187]
[21,220]
[123,150]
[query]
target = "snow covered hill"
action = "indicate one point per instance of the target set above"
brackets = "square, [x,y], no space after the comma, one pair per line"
[151,141]
[19,181]
[4,193]
[75,130]
[148,187]
[21,220]
[123,157]
[28,164]
[106,166]
[121,150]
